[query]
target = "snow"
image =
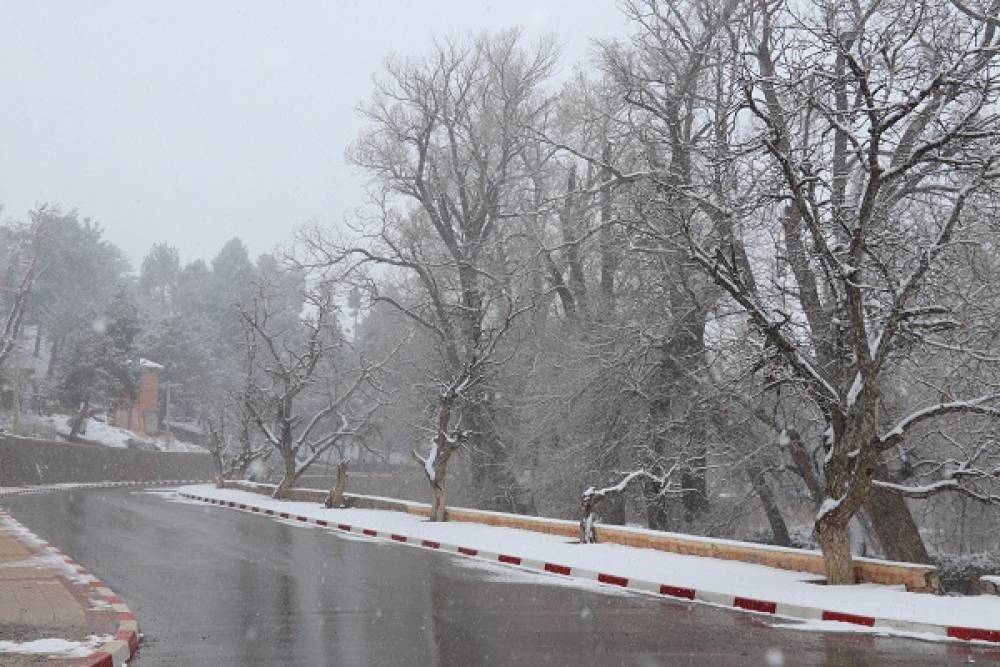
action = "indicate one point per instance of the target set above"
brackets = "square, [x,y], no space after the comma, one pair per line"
[170,495]
[48,560]
[977,405]
[111,436]
[704,574]
[498,572]
[96,431]
[269,488]
[839,626]
[62,648]
[828,505]
[855,390]
[146,363]
[428,462]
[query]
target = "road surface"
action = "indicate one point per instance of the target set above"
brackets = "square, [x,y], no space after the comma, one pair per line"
[213,586]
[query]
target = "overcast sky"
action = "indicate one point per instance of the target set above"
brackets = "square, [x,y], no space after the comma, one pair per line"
[195,121]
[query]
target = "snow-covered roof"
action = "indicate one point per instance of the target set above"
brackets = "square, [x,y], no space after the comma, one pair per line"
[146,363]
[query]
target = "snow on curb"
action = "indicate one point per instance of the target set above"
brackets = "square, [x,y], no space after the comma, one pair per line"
[48,488]
[932,631]
[54,647]
[119,649]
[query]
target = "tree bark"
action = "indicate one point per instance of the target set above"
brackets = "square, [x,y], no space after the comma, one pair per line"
[219,474]
[439,500]
[608,258]
[894,526]
[614,506]
[80,420]
[438,466]
[336,496]
[834,539]
[683,355]
[289,477]
[803,464]
[577,281]
[498,486]
[54,352]
[587,534]
[779,529]
[657,511]
[37,350]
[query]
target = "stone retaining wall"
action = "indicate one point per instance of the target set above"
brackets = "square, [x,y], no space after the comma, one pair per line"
[26,461]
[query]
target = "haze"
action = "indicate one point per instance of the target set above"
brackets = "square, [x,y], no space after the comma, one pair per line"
[193,122]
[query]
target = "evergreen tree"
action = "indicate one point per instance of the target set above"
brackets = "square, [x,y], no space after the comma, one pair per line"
[159,275]
[100,363]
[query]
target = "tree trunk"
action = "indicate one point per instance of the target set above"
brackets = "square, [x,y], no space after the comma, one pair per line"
[577,281]
[54,351]
[37,350]
[657,512]
[614,506]
[439,489]
[608,259]
[288,479]
[587,535]
[219,474]
[79,421]
[436,465]
[694,482]
[803,463]
[834,539]
[439,499]
[500,489]
[246,448]
[779,529]
[894,526]
[675,397]
[336,495]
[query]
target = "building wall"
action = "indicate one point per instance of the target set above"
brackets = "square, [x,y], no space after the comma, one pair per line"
[149,391]
[141,416]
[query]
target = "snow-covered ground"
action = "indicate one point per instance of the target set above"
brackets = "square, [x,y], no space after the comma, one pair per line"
[704,574]
[55,647]
[112,436]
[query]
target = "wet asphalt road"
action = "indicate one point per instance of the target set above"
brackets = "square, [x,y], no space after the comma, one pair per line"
[213,586]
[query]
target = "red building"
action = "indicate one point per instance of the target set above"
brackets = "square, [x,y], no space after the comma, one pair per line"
[143,415]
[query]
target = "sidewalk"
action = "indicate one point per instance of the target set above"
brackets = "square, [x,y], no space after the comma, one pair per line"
[52,611]
[746,586]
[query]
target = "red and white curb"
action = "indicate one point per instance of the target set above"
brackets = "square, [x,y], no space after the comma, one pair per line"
[659,589]
[49,488]
[125,642]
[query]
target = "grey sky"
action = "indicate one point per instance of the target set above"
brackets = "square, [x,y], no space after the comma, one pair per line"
[192,122]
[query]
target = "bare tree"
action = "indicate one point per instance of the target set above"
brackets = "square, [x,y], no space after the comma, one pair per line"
[592,497]
[444,137]
[867,132]
[303,399]
[22,268]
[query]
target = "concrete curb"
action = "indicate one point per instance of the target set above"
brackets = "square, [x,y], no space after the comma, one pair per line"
[125,643]
[659,589]
[49,488]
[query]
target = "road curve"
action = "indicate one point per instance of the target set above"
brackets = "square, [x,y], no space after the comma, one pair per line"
[212,586]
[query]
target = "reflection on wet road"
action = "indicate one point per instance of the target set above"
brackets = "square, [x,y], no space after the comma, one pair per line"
[212,586]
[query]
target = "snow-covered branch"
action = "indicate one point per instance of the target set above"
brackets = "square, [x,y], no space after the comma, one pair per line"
[988,405]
